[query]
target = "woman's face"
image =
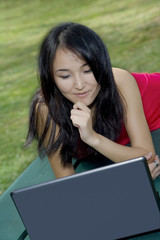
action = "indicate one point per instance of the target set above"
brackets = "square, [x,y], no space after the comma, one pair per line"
[74,78]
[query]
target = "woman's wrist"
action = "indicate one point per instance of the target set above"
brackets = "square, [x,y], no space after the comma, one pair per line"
[94,141]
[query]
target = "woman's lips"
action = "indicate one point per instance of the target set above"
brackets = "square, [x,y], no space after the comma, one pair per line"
[83,94]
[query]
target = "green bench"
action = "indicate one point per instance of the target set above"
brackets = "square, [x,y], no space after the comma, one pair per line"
[11,226]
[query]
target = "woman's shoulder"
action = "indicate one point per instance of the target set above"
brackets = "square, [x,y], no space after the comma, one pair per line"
[122,76]
[124,80]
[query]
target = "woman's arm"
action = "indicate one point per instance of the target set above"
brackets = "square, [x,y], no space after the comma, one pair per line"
[55,159]
[135,123]
[57,167]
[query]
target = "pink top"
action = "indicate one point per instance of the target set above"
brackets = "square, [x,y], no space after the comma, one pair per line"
[149,87]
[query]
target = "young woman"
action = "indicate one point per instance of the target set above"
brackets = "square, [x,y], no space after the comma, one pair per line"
[86,109]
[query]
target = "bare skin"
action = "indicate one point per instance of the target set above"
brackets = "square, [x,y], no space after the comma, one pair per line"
[76,82]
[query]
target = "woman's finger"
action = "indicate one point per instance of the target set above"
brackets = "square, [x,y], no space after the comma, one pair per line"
[80,113]
[81,106]
[157,174]
[148,156]
[155,167]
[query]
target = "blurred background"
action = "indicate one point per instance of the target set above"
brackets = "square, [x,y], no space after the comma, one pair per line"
[130,30]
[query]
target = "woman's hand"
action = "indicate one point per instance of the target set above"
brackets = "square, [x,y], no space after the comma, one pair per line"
[154,166]
[82,119]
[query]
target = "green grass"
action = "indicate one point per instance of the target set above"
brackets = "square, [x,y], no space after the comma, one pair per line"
[130,29]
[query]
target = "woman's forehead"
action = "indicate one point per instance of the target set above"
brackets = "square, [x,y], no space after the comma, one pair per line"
[64,56]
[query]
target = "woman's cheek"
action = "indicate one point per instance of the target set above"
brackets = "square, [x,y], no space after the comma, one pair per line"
[65,86]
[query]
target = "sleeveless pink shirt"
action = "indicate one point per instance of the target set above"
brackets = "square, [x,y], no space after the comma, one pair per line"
[149,87]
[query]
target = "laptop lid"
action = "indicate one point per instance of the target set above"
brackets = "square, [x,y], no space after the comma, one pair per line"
[111,202]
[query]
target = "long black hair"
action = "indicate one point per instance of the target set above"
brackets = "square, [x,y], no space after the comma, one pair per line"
[108,104]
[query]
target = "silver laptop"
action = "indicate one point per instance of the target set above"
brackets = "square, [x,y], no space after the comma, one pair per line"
[111,202]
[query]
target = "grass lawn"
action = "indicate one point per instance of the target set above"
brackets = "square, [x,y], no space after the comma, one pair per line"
[130,29]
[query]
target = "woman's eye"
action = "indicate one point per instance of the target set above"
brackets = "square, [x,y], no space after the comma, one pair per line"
[87,71]
[65,77]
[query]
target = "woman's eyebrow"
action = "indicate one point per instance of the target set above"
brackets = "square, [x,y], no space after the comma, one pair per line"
[85,64]
[65,70]
[62,70]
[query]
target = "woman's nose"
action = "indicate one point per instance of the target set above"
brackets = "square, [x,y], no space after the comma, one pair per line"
[79,83]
